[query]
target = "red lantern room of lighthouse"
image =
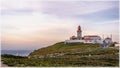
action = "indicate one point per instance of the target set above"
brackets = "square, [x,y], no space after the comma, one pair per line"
[79,28]
[79,32]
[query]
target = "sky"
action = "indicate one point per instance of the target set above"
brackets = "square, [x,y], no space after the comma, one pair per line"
[32,24]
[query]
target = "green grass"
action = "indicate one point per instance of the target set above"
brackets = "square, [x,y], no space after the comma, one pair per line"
[61,47]
[58,62]
[77,54]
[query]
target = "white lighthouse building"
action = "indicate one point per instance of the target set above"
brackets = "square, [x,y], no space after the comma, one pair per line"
[79,33]
[86,39]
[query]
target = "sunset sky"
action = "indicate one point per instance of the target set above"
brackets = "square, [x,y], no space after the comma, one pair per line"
[32,24]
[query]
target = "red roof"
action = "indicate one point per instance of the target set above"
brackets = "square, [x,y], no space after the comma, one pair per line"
[107,38]
[87,39]
[73,38]
[92,36]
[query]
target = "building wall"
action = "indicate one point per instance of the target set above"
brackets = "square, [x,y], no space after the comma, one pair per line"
[108,41]
[84,41]
[116,45]
[79,34]
[93,41]
[74,41]
[92,38]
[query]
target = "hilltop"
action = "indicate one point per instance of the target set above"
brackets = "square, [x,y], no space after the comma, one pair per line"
[72,54]
[60,49]
[63,48]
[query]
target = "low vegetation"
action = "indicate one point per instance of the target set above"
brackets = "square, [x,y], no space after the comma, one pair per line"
[75,54]
[63,48]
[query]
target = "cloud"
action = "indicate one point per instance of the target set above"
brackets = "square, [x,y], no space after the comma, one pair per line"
[18,7]
[38,26]
[106,15]
[37,23]
[58,8]
[73,8]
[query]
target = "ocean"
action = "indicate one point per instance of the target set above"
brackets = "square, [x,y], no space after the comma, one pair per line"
[17,52]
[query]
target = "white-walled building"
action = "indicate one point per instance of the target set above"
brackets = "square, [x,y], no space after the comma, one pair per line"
[108,40]
[92,39]
[87,39]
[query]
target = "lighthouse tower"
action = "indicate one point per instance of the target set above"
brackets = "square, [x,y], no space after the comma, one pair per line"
[79,33]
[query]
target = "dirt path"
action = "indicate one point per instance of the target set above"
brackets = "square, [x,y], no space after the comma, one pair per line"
[3,65]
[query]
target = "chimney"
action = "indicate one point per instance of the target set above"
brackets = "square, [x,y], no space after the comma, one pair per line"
[111,36]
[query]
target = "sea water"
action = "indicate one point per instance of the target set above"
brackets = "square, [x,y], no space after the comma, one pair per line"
[17,52]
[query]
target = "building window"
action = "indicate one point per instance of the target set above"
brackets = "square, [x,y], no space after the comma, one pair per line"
[90,41]
[95,41]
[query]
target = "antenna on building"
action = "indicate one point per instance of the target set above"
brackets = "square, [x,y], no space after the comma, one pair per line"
[111,36]
[107,36]
[103,36]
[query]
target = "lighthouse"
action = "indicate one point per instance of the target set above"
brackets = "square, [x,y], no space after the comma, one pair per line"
[91,39]
[79,32]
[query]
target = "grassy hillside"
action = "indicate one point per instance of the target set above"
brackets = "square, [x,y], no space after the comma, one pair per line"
[74,55]
[62,48]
